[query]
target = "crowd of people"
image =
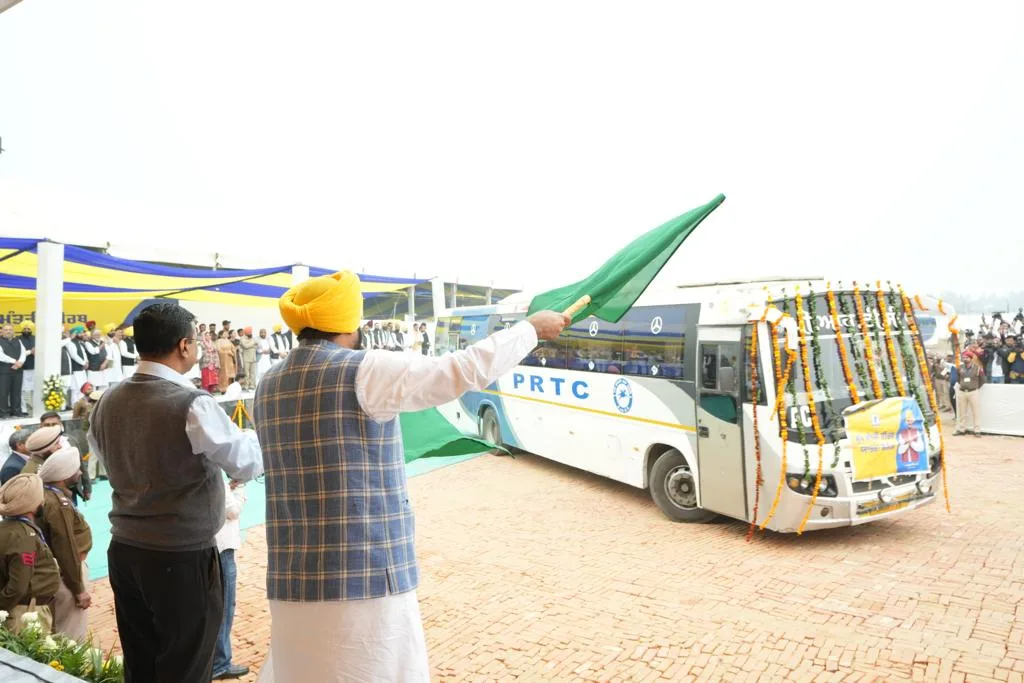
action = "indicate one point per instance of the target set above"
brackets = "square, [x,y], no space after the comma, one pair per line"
[93,359]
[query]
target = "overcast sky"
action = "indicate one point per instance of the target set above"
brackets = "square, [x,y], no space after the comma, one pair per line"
[522,143]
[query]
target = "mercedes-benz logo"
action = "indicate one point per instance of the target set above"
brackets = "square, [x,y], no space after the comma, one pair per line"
[593,328]
[656,324]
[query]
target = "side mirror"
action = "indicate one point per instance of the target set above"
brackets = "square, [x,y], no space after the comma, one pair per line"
[727,380]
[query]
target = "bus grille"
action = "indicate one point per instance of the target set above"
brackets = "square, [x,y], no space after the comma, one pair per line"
[879,484]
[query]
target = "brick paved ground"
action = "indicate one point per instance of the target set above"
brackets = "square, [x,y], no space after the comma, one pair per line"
[534,571]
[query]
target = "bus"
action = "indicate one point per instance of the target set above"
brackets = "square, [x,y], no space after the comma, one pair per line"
[666,400]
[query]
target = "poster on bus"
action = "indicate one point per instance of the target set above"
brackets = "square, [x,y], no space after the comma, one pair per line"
[888,437]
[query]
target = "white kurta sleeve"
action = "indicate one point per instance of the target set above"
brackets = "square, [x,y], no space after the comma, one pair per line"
[390,383]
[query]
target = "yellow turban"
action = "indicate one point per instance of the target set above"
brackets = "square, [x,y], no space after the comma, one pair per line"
[109,327]
[277,328]
[28,325]
[129,331]
[331,303]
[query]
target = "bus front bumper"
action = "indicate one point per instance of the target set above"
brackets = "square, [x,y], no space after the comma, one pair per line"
[828,513]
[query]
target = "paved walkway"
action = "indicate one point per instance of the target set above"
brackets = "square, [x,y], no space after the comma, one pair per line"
[535,571]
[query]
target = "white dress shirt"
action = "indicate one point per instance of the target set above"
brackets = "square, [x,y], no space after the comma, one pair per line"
[230,535]
[389,383]
[4,358]
[122,348]
[72,348]
[210,430]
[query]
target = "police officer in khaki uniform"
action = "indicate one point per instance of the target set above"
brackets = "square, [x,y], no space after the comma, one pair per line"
[29,577]
[58,523]
[41,444]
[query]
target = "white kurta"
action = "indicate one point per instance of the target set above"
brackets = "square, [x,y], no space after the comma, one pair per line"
[126,370]
[262,358]
[114,374]
[381,639]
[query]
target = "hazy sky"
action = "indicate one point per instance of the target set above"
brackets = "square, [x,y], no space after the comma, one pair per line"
[523,143]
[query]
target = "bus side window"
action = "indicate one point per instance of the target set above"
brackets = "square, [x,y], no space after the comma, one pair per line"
[709,366]
[653,341]
[594,345]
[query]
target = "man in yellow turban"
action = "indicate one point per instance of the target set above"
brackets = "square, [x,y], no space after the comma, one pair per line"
[339,524]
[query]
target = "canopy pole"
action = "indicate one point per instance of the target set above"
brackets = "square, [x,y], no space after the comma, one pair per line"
[299,274]
[49,317]
[437,288]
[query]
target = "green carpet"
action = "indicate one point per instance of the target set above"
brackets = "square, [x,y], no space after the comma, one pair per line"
[253,514]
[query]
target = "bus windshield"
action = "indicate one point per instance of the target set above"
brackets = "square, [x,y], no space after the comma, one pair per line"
[893,366]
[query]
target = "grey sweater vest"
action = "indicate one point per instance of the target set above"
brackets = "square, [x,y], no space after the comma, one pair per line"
[165,497]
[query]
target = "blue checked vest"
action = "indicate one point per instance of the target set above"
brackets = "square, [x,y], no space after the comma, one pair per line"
[339,524]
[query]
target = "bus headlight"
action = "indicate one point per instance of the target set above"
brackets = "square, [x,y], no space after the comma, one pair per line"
[805,485]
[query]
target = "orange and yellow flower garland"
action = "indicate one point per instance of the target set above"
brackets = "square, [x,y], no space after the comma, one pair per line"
[754,397]
[844,361]
[802,337]
[868,352]
[917,300]
[955,334]
[923,361]
[890,348]
[781,380]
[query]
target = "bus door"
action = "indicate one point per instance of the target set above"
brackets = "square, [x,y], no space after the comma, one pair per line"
[720,462]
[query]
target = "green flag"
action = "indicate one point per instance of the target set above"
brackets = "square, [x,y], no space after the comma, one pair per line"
[616,285]
[426,434]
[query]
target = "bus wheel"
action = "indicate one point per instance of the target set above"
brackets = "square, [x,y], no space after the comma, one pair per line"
[674,489]
[490,430]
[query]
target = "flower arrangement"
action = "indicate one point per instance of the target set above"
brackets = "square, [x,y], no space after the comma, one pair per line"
[851,386]
[782,379]
[801,432]
[864,385]
[820,380]
[813,410]
[755,397]
[54,393]
[869,355]
[922,361]
[890,348]
[81,660]
[906,353]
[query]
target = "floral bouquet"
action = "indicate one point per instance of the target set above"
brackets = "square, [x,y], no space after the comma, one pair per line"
[81,660]
[54,393]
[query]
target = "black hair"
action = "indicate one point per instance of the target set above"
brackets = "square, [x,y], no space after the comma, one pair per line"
[48,415]
[311,334]
[159,328]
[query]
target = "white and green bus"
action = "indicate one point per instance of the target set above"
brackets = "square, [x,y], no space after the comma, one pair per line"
[665,400]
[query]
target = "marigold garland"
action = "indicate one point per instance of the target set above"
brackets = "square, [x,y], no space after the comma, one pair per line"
[830,298]
[755,397]
[922,360]
[905,352]
[868,351]
[917,300]
[890,348]
[858,363]
[955,339]
[781,379]
[820,380]
[814,413]
[791,385]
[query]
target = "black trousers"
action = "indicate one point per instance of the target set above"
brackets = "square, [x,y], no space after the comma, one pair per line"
[169,606]
[10,391]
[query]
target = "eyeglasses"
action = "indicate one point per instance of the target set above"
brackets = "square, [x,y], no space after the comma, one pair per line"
[190,340]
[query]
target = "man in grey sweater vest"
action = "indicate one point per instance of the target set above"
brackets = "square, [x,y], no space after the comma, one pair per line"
[166,447]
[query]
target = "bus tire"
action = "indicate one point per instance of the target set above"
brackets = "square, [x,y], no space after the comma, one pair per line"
[490,429]
[673,489]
